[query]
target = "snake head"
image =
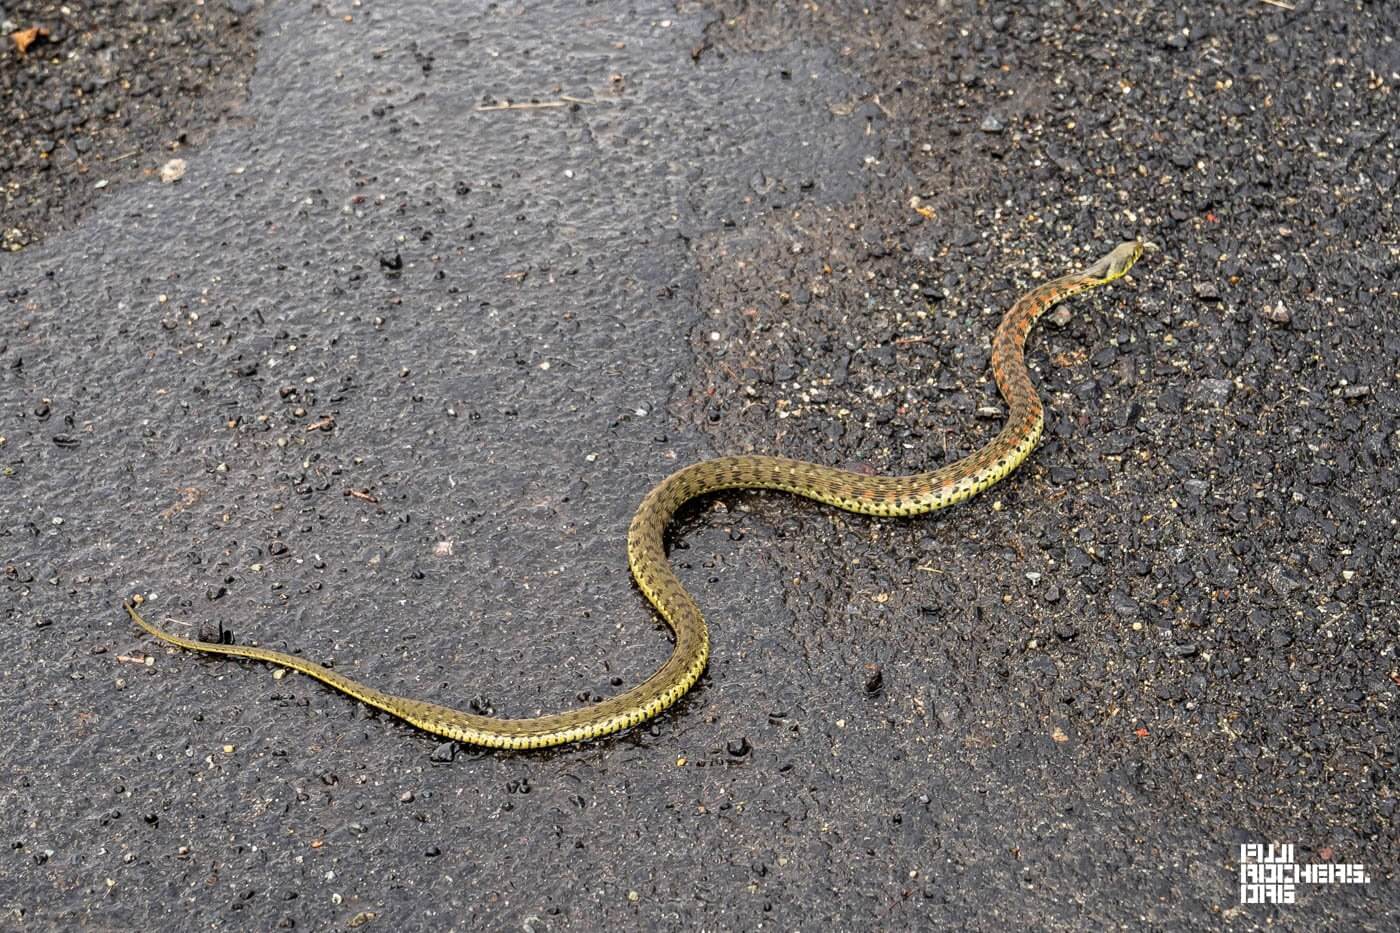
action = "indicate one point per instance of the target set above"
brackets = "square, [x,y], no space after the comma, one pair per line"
[1116,264]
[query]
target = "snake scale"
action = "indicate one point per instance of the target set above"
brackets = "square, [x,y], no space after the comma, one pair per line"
[854,492]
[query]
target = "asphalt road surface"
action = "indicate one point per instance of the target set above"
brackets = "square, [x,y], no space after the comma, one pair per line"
[359,329]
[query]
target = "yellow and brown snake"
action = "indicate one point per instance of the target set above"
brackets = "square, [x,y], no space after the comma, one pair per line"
[854,492]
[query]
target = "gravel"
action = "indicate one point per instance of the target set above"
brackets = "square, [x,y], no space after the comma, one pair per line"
[105,95]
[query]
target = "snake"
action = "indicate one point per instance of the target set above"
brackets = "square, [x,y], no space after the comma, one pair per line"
[852,491]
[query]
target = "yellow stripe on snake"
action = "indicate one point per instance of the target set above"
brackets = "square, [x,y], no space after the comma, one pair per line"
[854,492]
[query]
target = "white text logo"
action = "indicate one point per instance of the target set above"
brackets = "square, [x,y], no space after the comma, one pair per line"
[1270,875]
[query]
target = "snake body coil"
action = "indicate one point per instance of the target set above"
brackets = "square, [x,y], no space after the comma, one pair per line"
[854,492]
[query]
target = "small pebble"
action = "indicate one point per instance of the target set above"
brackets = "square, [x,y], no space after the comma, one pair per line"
[1123,604]
[1320,474]
[1213,391]
[172,171]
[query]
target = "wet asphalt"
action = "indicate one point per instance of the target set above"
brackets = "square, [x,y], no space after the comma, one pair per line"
[439,295]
